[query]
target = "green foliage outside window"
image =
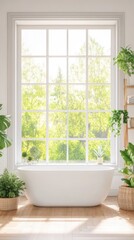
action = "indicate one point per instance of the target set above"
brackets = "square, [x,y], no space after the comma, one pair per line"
[34,123]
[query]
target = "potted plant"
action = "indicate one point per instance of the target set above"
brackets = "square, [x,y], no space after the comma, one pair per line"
[126,191]
[99,154]
[11,186]
[125,61]
[117,118]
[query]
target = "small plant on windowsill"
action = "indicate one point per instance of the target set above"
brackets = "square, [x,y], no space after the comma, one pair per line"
[126,191]
[26,157]
[32,155]
[118,118]
[99,153]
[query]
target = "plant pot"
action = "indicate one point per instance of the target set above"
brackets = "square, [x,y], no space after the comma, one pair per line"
[126,198]
[130,80]
[99,160]
[8,203]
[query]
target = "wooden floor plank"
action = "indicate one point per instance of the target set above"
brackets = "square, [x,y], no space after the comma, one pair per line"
[106,222]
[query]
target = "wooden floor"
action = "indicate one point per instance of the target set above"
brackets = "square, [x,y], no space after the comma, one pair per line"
[105,222]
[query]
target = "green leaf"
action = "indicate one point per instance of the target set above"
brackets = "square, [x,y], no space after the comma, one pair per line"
[126,171]
[131,147]
[127,181]
[4,140]
[132,182]
[126,157]
[5,122]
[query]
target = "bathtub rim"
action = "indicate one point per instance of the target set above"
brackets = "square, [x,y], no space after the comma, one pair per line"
[66,168]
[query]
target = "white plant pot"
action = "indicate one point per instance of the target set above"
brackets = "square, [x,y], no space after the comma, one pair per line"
[100,160]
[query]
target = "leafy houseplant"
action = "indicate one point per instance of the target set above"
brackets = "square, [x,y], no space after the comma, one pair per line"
[128,156]
[126,192]
[117,118]
[99,154]
[5,123]
[10,185]
[125,60]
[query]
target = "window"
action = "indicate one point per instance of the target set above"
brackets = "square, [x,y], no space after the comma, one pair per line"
[66,87]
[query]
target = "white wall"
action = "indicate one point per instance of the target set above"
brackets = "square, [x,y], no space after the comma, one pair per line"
[57,6]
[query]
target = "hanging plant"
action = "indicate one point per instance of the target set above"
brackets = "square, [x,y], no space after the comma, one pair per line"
[118,117]
[125,60]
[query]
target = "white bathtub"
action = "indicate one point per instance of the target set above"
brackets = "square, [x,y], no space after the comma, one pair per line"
[51,185]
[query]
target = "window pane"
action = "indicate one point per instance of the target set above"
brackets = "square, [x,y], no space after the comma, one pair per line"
[77,42]
[57,42]
[98,125]
[77,151]
[33,97]
[57,151]
[77,97]
[94,144]
[77,125]
[57,97]
[99,70]
[99,97]
[33,125]
[99,42]
[33,70]
[33,42]
[57,125]
[65,92]
[34,149]
[77,70]
[57,70]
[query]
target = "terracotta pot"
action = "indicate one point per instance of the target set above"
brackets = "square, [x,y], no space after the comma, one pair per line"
[126,198]
[8,203]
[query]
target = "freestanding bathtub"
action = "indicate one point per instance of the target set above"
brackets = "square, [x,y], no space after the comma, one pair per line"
[51,185]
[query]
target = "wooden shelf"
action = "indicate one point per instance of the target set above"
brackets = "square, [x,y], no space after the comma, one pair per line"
[130,86]
[126,105]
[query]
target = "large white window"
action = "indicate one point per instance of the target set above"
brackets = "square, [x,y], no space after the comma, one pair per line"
[65,90]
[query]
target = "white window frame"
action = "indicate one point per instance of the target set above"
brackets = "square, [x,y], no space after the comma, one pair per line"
[14,19]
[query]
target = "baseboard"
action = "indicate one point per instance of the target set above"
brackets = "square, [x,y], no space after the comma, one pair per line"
[105,238]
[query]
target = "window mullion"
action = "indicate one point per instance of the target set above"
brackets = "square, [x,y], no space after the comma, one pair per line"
[18,128]
[67,154]
[47,96]
[87,95]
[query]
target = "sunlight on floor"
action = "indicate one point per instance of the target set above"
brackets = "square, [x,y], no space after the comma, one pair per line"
[52,223]
[44,225]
